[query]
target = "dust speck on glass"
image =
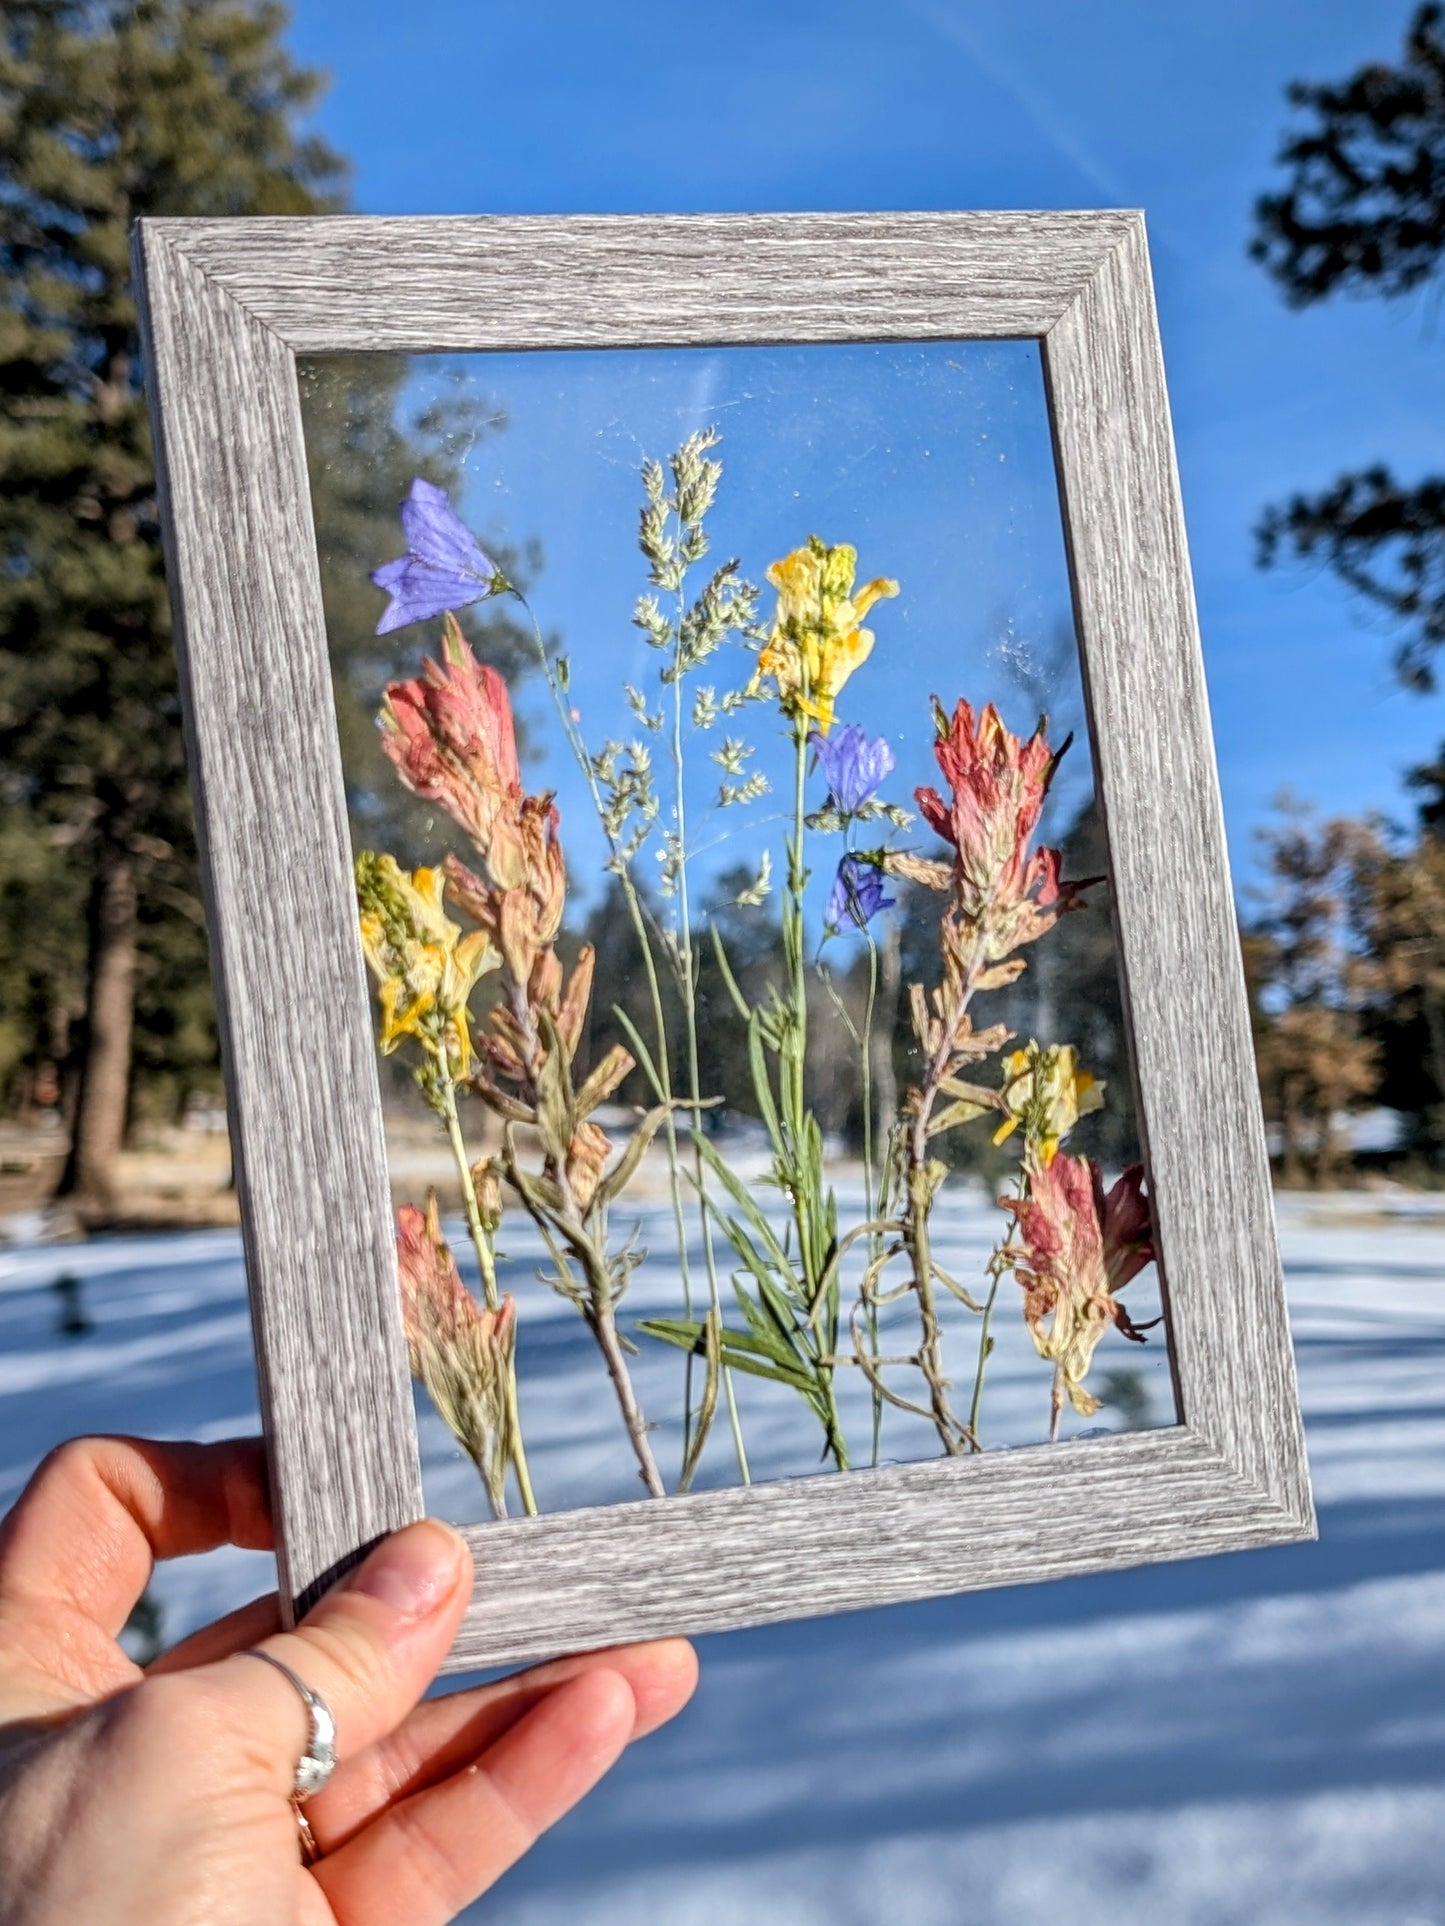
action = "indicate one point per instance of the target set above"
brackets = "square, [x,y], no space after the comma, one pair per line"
[749,1026]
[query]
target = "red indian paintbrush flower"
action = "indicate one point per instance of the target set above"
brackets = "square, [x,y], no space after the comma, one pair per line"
[998,782]
[450,733]
[521,903]
[1077,1248]
[461,1353]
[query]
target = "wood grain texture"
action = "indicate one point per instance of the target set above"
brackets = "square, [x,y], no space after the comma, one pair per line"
[1174,907]
[617,281]
[715,1560]
[231,305]
[305,1105]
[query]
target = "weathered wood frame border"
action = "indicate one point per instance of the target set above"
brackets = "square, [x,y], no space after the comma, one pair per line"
[227,308]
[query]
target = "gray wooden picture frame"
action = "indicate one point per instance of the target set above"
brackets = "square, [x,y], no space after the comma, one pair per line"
[227,306]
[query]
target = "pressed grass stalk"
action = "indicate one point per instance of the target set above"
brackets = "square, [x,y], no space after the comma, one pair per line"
[661,1051]
[481,1237]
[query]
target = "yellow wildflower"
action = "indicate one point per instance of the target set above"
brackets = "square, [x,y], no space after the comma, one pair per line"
[425,968]
[817,640]
[1046,1092]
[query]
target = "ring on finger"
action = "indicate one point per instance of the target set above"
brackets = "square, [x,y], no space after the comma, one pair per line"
[318,1761]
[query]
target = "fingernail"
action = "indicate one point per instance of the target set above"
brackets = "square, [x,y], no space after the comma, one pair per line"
[414,1571]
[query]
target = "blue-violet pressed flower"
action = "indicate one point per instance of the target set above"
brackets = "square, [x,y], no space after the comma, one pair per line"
[856,896]
[853,765]
[443,568]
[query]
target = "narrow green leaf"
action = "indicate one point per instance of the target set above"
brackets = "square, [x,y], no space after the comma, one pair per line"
[617,1180]
[712,1352]
[964,1111]
[641,1052]
[762,1088]
[740,1002]
[745,1202]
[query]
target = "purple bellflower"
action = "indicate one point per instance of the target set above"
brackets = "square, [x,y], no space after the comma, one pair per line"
[856,896]
[443,567]
[853,765]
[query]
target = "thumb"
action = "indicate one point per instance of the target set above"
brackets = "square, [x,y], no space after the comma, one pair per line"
[370,1648]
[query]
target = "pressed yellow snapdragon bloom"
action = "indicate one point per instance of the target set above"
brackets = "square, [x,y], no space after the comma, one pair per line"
[817,640]
[1046,1092]
[425,968]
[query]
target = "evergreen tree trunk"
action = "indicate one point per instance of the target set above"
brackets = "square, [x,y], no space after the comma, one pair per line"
[1434,1012]
[99,1130]
[108,112]
[1292,1170]
[1326,1155]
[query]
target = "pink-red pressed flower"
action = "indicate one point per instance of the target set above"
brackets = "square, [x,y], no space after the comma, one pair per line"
[1128,1226]
[1076,1248]
[451,735]
[998,782]
[436,1305]
[462,1353]
[521,900]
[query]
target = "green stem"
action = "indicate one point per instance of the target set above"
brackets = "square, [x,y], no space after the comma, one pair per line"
[985,1349]
[797,883]
[663,1060]
[874,1241]
[862,1041]
[803,1181]
[486,1261]
[688,987]
[985,1342]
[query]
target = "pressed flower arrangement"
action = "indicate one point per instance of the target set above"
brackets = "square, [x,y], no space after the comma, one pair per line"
[470,982]
[792,1279]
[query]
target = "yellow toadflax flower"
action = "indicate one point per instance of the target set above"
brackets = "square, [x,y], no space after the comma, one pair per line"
[425,968]
[817,639]
[1046,1092]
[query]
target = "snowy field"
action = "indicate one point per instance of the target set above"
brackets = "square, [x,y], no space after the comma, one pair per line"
[1257,1739]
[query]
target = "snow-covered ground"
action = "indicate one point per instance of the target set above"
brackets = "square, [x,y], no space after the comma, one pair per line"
[1257,1739]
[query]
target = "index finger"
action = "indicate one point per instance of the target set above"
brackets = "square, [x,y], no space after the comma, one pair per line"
[91,1524]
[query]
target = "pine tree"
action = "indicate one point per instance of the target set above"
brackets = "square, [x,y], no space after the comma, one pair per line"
[1364,213]
[109,112]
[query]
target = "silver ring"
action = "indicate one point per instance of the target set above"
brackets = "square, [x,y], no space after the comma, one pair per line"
[318,1761]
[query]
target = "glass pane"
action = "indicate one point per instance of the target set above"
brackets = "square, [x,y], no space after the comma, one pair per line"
[746,1072]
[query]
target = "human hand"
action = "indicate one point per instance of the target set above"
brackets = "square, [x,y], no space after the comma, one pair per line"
[163,1798]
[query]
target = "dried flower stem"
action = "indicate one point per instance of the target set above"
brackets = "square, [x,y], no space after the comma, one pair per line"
[985,1350]
[598,1301]
[918,1203]
[863,1043]
[874,1242]
[662,1056]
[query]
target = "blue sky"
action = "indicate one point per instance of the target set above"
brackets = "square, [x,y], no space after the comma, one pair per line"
[937,103]
[933,459]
